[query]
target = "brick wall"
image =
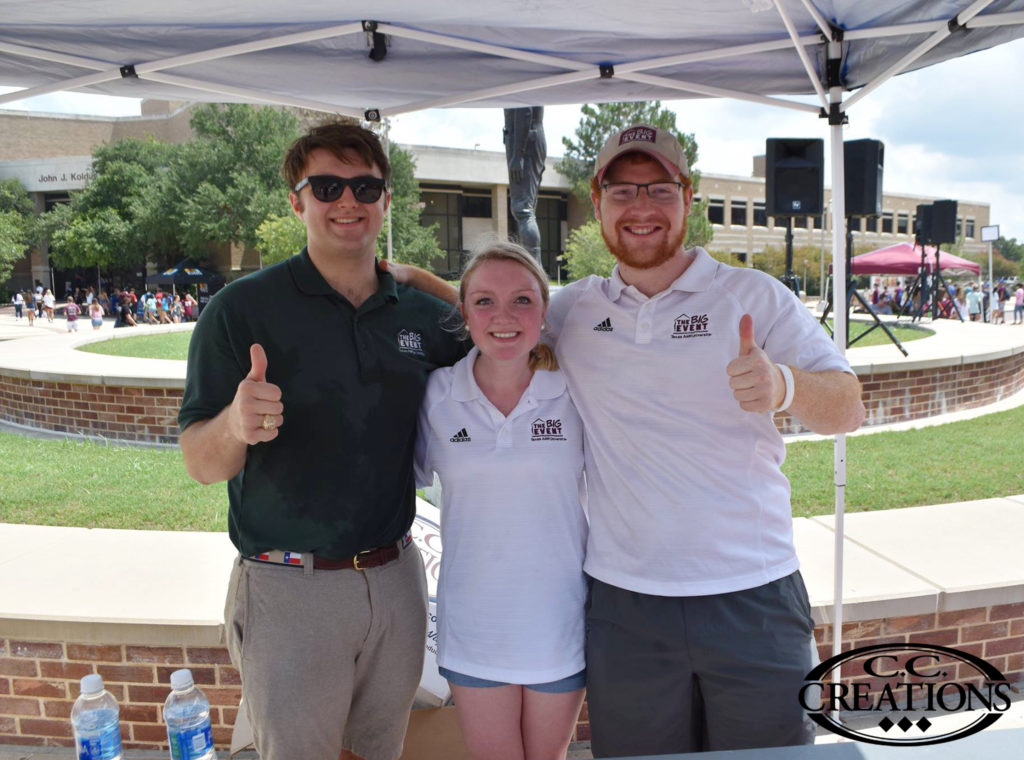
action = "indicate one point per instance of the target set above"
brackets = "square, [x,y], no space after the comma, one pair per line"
[39,682]
[996,634]
[149,414]
[914,394]
[145,415]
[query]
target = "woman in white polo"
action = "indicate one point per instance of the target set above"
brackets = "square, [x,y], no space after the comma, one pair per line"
[502,434]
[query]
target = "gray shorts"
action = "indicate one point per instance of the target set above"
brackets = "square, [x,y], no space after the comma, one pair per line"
[330,659]
[685,674]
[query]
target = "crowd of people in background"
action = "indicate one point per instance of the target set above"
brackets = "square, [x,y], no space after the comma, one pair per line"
[128,308]
[972,301]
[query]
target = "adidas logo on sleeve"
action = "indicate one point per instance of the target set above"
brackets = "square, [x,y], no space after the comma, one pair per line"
[605,326]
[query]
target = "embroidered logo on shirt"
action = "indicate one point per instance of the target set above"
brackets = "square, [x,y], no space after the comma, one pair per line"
[461,437]
[547,430]
[605,326]
[691,326]
[410,342]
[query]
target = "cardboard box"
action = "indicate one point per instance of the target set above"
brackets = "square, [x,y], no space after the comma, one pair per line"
[434,735]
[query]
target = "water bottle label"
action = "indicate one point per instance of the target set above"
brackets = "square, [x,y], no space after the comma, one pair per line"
[191,743]
[103,747]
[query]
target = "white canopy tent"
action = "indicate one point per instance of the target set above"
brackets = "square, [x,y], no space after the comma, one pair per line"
[374,60]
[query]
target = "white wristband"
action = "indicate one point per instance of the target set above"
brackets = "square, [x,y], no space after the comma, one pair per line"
[787,400]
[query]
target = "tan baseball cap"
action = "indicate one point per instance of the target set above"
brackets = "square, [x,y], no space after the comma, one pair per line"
[658,143]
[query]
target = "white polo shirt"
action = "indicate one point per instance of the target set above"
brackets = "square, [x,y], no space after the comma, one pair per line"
[685,492]
[511,589]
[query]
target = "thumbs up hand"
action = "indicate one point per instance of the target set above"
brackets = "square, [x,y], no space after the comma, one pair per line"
[256,411]
[756,382]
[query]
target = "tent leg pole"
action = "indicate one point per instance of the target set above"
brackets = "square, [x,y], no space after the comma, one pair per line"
[841,314]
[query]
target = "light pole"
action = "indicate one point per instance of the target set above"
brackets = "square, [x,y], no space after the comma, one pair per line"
[988,234]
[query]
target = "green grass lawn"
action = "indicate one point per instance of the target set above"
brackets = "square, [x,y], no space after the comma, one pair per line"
[54,482]
[175,345]
[172,345]
[877,336]
[49,482]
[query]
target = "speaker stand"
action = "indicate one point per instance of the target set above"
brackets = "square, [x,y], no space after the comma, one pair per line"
[919,289]
[789,279]
[851,292]
[928,295]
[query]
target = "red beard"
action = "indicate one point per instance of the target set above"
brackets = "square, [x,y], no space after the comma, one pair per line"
[649,259]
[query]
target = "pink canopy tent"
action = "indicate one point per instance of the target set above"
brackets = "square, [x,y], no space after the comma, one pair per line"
[905,258]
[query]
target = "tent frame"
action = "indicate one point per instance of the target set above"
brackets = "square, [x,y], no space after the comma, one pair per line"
[565,71]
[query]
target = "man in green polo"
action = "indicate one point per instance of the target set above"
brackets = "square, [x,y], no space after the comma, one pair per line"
[304,382]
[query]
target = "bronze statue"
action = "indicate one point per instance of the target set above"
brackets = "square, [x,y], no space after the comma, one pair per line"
[525,149]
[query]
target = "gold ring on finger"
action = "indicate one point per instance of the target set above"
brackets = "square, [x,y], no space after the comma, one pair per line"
[269,423]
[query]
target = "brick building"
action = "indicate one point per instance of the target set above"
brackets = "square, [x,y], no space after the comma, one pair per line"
[464,191]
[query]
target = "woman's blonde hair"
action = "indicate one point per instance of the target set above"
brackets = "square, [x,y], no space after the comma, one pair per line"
[541,355]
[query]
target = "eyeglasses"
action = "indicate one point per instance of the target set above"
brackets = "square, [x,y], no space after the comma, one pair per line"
[627,192]
[327,188]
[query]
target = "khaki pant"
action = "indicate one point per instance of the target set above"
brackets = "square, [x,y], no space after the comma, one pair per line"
[330,659]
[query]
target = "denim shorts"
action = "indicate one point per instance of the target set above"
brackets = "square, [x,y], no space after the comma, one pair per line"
[574,682]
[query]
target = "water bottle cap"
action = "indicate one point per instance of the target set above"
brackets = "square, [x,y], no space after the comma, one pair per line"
[181,679]
[92,683]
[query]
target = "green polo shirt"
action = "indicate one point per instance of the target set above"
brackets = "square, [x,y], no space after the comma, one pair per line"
[338,478]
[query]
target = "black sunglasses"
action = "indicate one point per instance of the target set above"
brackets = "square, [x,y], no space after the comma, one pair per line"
[327,188]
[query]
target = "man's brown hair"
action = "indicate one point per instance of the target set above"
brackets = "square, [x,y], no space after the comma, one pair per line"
[337,138]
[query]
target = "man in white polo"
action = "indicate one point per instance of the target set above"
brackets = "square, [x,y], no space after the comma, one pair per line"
[699,628]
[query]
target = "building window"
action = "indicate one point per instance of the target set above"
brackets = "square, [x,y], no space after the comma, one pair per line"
[819,221]
[477,205]
[50,200]
[970,228]
[738,213]
[716,210]
[872,223]
[552,212]
[443,209]
[959,227]
[760,214]
[887,223]
[902,224]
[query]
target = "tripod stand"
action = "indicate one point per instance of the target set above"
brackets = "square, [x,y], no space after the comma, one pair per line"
[851,292]
[927,291]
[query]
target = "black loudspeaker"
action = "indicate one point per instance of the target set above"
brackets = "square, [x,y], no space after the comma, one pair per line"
[923,223]
[936,222]
[944,222]
[794,176]
[864,159]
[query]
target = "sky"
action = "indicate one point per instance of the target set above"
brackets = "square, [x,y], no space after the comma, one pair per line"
[953,130]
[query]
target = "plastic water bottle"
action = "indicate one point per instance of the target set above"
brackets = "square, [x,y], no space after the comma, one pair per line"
[187,713]
[95,723]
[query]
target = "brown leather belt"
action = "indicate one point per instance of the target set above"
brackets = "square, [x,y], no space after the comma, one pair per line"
[364,560]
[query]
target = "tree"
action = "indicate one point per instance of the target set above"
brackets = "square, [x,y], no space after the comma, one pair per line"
[586,252]
[222,185]
[280,237]
[411,242]
[1010,248]
[99,238]
[16,225]
[108,223]
[601,121]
